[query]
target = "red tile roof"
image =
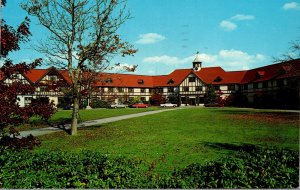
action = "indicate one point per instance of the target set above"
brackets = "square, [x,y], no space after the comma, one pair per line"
[124,80]
[35,75]
[66,76]
[275,71]
[177,76]
[207,75]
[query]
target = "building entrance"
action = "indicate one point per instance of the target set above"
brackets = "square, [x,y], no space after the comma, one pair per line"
[192,101]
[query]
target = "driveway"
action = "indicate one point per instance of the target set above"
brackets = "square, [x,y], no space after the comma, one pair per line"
[48,130]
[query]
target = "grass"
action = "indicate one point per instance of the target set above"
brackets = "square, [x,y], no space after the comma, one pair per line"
[183,136]
[64,116]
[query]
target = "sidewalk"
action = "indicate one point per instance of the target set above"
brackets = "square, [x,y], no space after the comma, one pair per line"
[48,130]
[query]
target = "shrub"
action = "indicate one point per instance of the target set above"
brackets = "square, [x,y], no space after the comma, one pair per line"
[99,104]
[256,168]
[259,168]
[25,169]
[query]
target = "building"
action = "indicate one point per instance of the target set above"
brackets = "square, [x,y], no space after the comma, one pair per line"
[272,86]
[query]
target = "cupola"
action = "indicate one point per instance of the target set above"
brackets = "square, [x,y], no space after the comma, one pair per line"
[197,63]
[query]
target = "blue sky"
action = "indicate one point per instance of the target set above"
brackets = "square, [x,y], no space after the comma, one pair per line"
[233,34]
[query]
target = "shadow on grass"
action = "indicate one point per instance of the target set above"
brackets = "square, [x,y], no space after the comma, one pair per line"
[63,124]
[256,111]
[232,147]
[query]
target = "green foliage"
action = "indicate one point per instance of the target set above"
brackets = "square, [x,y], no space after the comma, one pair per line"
[96,103]
[65,170]
[210,96]
[257,168]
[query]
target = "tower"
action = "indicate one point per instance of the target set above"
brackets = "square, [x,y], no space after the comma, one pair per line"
[197,63]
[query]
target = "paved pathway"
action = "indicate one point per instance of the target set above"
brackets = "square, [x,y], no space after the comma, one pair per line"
[48,130]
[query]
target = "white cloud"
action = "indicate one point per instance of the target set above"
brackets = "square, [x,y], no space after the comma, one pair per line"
[229,60]
[242,17]
[150,38]
[291,6]
[237,60]
[227,25]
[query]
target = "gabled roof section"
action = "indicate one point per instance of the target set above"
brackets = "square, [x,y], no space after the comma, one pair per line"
[177,76]
[66,76]
[3,77]
[209,74]
[35,75]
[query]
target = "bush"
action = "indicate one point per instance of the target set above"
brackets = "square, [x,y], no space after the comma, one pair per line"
[257,168]
[99,104]
[25,169]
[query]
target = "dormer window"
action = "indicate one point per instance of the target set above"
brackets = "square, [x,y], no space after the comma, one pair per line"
[285,69]
[218,79]
[170,81]
[140,81]
[260,74]
[108,80]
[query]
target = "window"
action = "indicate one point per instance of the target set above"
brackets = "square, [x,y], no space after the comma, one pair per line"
[108,80]
[170,89]
[120,89]
[143,90]
[140,81]
[27,100]
[52,78]
[130,90]
[185,88]
[255,85]
[217,87]
[265,84]
[110,89]
[143,99]
[171,81]
[218,79]
[280,83]
[151,90]
[231,87]
[246,87]
[43,88]
[192,79]
[158,90]
[199,88]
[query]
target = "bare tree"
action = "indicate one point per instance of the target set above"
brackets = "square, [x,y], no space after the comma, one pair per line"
[83,37]
[293,52]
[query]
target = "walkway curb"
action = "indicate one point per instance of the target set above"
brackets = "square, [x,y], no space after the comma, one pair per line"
[48,130]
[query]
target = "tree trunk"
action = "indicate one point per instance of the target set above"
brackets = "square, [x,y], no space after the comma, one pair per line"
[75,116]
[75,112]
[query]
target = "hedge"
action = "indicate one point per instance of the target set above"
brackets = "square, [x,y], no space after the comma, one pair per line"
[259,168]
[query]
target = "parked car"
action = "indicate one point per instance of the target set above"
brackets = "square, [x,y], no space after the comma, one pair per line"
[168,105]
[118,106]
[139,105]
[68,107]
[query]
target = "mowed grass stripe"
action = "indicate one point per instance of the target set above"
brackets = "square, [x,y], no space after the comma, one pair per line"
[183,136]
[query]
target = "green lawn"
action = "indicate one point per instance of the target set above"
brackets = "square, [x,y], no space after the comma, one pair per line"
[183,136]
[64,116]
